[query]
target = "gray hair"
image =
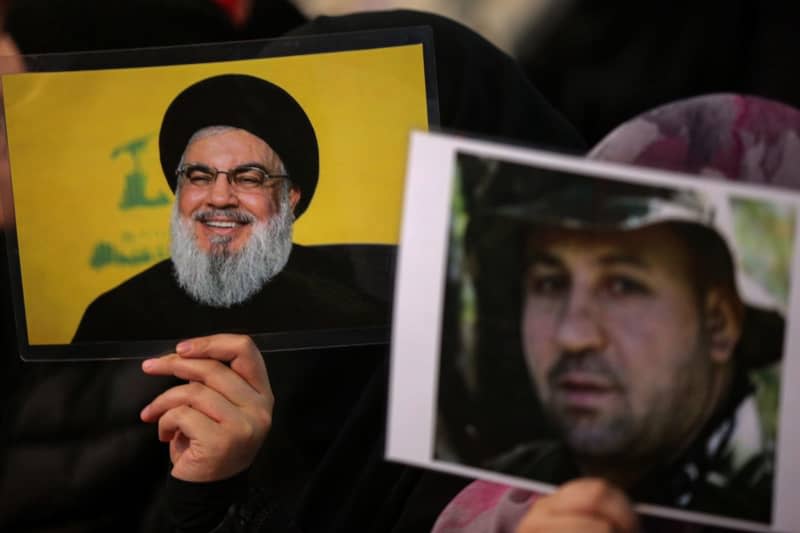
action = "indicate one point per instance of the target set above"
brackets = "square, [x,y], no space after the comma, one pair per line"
[210,131]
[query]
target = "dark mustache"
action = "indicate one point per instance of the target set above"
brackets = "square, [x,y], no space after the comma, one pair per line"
[586,363]
[236,215]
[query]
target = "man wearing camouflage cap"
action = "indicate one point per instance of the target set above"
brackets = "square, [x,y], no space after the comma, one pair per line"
[638,338]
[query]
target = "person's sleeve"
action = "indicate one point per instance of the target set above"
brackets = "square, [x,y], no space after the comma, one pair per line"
[204,507]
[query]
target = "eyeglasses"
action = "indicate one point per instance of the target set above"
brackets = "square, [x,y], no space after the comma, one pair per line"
[245,178]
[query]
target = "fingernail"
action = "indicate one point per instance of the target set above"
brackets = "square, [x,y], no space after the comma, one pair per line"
[147,364]
[183,347]
[143,413]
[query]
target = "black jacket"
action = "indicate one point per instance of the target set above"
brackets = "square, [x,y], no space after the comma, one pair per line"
[76,447]
[322,468]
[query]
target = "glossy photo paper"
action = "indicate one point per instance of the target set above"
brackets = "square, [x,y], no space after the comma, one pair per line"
[91,194]
[554,313]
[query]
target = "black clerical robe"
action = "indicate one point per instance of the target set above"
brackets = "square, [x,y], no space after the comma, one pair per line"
[317,290]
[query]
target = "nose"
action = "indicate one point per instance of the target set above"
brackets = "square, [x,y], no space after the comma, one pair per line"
[221,192]
[580,325]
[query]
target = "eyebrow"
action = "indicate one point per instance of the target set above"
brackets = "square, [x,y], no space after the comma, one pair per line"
[543,258]
[254,164]
[623,258]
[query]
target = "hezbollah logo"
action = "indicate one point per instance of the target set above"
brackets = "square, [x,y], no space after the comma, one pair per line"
[134,247]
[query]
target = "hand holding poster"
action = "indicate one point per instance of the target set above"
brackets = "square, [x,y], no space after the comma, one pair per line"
[638,342]
[169,193]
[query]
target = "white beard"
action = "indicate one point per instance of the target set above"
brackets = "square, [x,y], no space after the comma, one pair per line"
[221,278]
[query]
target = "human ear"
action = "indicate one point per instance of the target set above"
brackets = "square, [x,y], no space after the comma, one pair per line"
[723,313]
[294,196]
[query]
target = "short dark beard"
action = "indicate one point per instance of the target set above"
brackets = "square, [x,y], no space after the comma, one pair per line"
[603,440]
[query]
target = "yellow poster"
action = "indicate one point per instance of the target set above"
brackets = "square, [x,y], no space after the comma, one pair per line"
[92,203]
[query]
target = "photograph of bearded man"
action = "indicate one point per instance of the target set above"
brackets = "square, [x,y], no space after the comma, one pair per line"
[633,321]
[226,242]
[242,157]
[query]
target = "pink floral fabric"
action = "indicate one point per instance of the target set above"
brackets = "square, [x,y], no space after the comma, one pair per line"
[485,507]
[734,136]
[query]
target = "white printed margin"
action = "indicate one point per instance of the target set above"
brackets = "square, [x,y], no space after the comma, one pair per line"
[419,300]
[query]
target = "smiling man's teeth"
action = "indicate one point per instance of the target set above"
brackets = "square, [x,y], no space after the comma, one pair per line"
[220,224]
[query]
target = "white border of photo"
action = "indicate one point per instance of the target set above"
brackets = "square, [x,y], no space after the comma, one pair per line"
[419,302]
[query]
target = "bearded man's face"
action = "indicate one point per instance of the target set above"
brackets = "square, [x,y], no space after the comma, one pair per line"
[228,240]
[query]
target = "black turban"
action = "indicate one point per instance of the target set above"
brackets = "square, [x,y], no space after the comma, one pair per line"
[254,105]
